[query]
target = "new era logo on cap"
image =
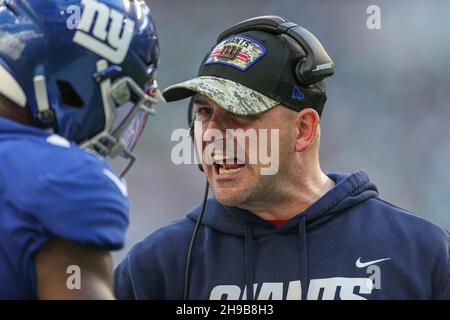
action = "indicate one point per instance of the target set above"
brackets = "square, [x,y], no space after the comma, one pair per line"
[297,94]
[237,51]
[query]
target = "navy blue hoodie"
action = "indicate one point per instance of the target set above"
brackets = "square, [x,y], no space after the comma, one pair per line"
[349,244]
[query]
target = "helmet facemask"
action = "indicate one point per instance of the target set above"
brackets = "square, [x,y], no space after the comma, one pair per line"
[126,111]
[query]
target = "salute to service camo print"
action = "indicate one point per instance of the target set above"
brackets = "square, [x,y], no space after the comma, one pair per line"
[229,95]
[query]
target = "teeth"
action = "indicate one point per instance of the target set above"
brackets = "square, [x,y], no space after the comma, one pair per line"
[221,157]
[222,170]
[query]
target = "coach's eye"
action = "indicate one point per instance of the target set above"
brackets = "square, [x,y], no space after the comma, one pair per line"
[204,111]
[204,114]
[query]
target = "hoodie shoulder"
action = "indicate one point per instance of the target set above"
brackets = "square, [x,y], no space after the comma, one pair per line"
[392,221]
[423,242]
[413,221]
[154,264]
[167,240]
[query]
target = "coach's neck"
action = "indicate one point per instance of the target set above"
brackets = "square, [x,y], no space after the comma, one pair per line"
[296,199]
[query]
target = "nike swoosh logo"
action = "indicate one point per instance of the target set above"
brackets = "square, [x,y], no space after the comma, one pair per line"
[360,264]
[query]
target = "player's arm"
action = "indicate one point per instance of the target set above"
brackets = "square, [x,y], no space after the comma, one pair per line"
[95,270]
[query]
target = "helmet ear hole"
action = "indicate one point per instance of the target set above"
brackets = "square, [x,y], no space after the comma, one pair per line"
[68,95]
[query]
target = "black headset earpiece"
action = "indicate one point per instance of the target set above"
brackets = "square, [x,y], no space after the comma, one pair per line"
[316,66]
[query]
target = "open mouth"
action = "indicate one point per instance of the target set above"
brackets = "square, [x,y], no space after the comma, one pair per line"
[227,165]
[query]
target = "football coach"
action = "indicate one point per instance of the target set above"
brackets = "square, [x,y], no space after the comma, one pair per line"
[299,233]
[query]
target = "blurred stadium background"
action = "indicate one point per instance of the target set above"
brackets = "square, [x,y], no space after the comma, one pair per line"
[387,111]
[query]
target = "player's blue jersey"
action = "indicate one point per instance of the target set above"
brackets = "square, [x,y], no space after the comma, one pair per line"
[50,188]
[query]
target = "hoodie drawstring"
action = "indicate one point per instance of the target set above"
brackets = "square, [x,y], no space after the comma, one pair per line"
[303,259]
[249,261]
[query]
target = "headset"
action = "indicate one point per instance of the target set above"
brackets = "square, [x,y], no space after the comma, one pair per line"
[314,67]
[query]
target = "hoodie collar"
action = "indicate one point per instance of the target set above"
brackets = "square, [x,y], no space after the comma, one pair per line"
[348,191]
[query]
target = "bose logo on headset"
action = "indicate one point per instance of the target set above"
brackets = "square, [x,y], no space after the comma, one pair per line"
[323,66]
[111,44]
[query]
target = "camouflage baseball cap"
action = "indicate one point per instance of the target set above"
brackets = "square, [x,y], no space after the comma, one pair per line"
[229,95]
[249,73]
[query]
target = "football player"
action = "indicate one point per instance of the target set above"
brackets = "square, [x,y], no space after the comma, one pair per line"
[74,75]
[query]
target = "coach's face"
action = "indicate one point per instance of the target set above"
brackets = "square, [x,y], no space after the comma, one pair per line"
[244,180]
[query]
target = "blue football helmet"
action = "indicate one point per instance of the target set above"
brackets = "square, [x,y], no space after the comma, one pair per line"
[85,68]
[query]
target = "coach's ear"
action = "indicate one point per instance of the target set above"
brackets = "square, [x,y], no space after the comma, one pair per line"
[308,121]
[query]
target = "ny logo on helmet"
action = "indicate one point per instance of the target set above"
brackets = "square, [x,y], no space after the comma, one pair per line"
[93,33]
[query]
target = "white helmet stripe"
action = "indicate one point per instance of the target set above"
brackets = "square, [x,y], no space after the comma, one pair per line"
[11,89]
